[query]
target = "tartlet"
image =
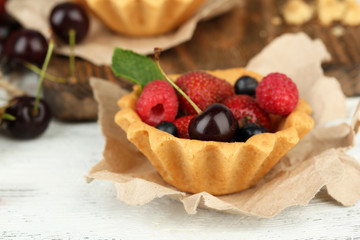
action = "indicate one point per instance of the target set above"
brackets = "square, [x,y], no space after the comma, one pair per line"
[143,17]
[215,167]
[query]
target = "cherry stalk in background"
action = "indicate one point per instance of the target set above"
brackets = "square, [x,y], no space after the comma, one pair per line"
[68,16]
[70,23]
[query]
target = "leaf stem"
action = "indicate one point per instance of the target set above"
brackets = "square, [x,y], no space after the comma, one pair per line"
[157,60]
[42,75]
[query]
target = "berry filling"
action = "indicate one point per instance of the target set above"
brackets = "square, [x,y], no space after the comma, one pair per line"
[206,107]
[277,94]
[157,102]
[157,113]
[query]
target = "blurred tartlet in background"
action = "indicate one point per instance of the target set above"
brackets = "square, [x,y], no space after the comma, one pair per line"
[143,17]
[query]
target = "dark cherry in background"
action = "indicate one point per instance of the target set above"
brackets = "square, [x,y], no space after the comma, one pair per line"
[25,45]
[7,25]
[26,125]
[2,7]
[66,16]
[2,46]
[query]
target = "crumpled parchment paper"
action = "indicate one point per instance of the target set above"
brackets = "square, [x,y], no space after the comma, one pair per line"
[318,161]
[99,44]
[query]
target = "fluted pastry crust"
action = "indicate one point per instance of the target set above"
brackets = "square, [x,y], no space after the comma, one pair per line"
[214,167]
[143,17]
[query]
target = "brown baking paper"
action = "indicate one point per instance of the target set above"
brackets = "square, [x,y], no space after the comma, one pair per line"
[319,159]
[99,45]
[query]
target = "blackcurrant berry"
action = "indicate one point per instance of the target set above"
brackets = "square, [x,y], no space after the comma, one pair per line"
[247,131]
[168,127]
[215,123]
[25,45]
[246,85]
[66,16]
[27,124]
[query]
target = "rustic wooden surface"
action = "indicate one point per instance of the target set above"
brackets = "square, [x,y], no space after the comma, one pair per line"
[232,39]
[43,194]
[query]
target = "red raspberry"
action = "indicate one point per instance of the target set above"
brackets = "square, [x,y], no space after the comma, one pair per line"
[204,89]
[277,94]
[182,125]
[245,108]
[158,102]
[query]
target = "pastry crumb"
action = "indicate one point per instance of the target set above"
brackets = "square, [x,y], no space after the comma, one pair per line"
[263,34]
[352,14]
[330,11]
[276,21]
[297,12]
[338,31]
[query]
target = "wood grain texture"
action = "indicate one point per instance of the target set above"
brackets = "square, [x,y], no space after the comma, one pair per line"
[232,39]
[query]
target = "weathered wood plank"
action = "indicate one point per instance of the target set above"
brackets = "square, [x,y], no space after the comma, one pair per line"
[232,39]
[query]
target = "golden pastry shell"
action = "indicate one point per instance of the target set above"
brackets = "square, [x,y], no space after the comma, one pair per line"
[215,167]
[143,17]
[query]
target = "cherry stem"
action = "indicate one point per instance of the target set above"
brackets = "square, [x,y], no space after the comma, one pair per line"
[72,35]
[42,75]
[4,115]
[157,61]
[37,70]
[7,117]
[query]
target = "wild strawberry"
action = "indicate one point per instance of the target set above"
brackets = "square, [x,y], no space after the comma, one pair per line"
[158,102]
[182,125]
[204,89]
[277,94]
[245,109]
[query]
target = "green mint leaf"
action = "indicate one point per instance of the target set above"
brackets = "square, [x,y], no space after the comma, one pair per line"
[134,67]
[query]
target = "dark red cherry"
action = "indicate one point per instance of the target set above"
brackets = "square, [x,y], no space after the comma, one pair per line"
[7,25]
[66,16]
[2,7]
[2,46]
[27,124]
[25,45]
[216,123]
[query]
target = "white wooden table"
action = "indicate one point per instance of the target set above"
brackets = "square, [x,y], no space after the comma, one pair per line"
[44,195]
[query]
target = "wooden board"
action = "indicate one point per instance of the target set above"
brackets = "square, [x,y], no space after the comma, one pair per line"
[232,39]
